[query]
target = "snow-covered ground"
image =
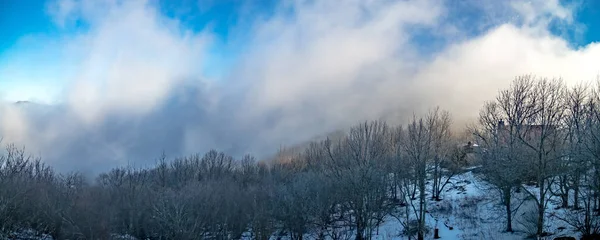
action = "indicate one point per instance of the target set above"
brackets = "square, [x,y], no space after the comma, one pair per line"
[472,208]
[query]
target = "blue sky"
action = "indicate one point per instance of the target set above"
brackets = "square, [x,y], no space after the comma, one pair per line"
[589,15]
[22,20]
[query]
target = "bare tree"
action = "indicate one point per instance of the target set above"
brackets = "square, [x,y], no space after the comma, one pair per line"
[534,109]
[174,218]
[585,173]
[248,171]
[355,165]
[583,219]
[294,205]
[329,218]
[501,154]
[546,140]
[403,183]
[573,166]
[439,122]
[418,146]
[592,143]
[216,165]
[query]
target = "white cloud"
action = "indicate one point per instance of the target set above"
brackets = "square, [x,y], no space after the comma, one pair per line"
[130,58]
[327,67]
[14,126]
[313,67]
[467,74]
[125,61]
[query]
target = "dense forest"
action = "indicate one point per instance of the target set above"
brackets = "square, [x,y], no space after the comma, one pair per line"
[539,138]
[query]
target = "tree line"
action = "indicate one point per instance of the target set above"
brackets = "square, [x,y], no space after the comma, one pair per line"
[537,137]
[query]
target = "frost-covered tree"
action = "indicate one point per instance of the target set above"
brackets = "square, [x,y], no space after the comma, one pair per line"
[501,155]
[355,165]
[419,149]
[526,120]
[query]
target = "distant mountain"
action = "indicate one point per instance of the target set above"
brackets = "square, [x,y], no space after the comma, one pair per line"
[30,104]
[22,102]
[36,109]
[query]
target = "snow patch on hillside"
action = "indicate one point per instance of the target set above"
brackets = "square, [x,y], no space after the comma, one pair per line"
[471,209]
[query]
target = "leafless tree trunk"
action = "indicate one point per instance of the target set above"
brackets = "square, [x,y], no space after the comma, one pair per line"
[542,133]
[356,163]
[440,122]
[526,120]
[420,148]
[501,155]
[577,100]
